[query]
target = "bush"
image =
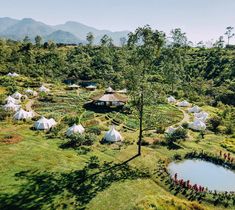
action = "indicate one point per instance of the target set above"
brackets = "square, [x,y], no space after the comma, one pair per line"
[185,125]
[214,123]
[179,134]
[94,130]
[3,114]
[78,140]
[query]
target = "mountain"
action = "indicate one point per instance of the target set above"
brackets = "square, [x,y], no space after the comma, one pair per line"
[81,30]
[27,27]
[68,32]
[63,37]
[6,23]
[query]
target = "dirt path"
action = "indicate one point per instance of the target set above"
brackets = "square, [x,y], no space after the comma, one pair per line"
[28,106]
[186,117]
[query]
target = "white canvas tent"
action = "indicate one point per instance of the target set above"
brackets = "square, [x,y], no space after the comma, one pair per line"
[75,129]
[10,99]
[197,125]
[17,95]
[11,107]
[23,115]
[202,116]
[113,135]
[43,89]
[13,74]
[183,104]
[194,109]
[172,129]
[171,99]
[44,123]
[31,92]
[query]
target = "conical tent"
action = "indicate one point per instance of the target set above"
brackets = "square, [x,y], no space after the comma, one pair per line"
[17,95]
[202,116]
[75,129]
[43,89]
[171,99]
[197,125]
[172,129]
[194,109]
[113,135]
[22,114]
[44,123]
[11,107]
[15,75]
[10,99]
[183,104]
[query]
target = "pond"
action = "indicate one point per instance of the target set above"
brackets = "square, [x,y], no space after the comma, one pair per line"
[204,173]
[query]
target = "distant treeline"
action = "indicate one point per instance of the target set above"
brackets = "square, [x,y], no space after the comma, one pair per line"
[180,69]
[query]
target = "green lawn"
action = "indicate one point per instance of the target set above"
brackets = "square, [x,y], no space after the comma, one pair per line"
[37,174]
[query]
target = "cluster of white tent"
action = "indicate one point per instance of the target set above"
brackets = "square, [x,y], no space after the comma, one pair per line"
[13,74]
[12,104]
[200,118]
[172,100]
[110,136]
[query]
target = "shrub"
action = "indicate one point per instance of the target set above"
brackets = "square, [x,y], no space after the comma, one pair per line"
[185,125]
[179,134]
[78,140]
[3,114]
[214,123]
[95,130]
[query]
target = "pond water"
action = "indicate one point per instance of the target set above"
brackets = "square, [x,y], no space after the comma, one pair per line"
[204,173]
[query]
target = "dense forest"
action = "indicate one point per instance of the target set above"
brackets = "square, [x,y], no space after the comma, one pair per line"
[182,70]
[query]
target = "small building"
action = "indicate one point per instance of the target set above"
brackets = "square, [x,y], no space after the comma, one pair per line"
[91,87]
[73,86]
[110,98]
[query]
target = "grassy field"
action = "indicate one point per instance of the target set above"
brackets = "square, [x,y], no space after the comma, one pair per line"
[36,173]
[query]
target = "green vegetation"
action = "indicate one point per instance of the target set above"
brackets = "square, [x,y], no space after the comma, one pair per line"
[48,170]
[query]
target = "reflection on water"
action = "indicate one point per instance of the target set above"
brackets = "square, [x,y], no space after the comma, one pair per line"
[205,174]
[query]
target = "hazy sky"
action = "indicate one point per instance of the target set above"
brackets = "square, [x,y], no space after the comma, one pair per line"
[200,19]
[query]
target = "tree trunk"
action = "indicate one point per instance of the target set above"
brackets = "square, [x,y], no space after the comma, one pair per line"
[141,123]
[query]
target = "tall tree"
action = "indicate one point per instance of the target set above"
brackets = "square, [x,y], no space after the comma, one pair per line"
[90,38]
[38,41]
[144,45]
[178,37]
[229,33]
